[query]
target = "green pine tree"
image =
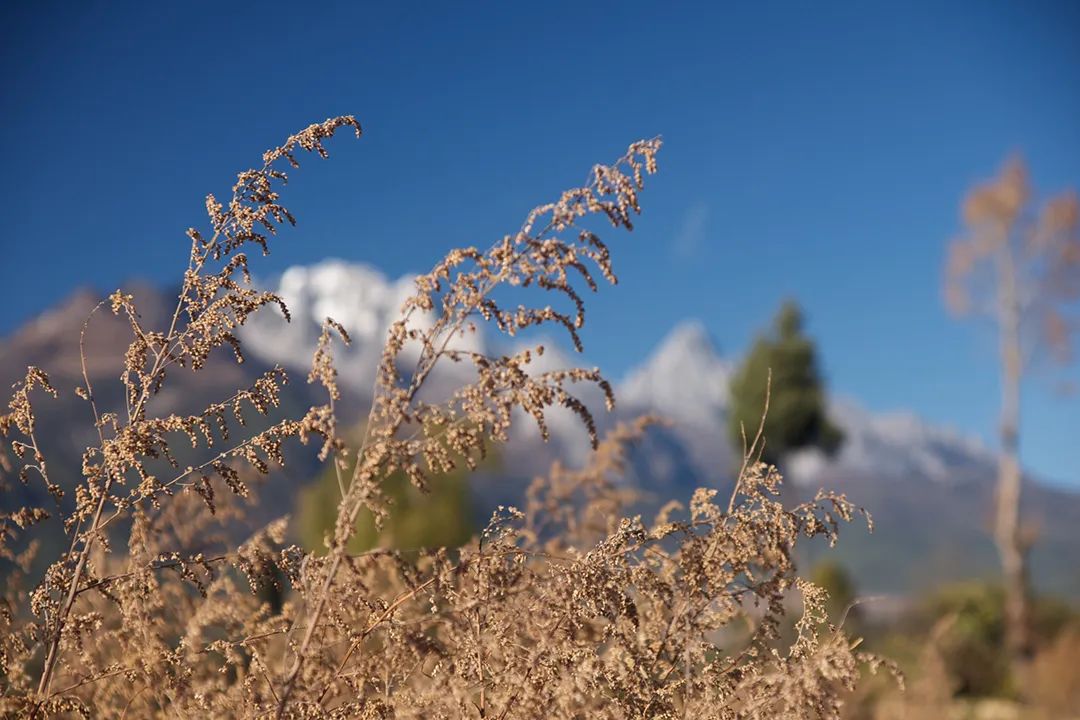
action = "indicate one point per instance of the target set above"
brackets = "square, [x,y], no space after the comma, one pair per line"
[797,416]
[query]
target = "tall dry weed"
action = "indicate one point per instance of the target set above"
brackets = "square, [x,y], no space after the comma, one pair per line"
[563,608]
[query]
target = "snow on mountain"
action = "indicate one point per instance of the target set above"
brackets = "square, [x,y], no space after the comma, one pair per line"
[359,297]
[687,381]
[900,446]
[930,489]
[684,380]
[893,446]
[661,383]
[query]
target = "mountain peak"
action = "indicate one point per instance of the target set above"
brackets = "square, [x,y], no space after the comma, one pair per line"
[922,480]
[359,296]
[689,337]
[683,377]
[363,299]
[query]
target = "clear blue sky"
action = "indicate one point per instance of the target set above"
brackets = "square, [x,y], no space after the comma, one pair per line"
[812,149]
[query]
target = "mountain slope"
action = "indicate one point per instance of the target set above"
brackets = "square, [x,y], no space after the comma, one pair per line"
[930,489]
[65,426]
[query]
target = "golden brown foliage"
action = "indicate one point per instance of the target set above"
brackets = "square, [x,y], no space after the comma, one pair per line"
[1020,265]
[567,608]
[1004,232]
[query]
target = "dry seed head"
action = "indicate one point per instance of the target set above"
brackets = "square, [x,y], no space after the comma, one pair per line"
[567,608]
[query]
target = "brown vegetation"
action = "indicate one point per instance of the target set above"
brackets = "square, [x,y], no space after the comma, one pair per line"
[1021,266]
[564,608]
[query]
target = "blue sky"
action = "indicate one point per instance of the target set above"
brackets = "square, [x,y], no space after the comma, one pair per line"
[813,150]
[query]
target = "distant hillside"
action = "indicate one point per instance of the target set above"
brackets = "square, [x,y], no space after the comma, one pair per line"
[930,490]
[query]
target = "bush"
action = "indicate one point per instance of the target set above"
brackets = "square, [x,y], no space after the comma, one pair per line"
[971,646]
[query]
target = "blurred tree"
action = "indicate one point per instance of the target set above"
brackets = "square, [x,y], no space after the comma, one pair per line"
[835,580]
[1021,266]
[440,517]
[796,417]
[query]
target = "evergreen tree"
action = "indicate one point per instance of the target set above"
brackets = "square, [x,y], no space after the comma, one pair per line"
[796,417]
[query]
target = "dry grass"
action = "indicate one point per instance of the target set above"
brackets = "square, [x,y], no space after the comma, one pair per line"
[564,608]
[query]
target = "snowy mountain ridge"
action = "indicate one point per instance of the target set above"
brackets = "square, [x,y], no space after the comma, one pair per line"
[684,379]
[930,489]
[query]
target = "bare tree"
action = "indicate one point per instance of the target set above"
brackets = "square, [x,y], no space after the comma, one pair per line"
[1018,262]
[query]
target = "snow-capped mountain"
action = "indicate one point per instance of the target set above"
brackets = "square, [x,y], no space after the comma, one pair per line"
[684,380]
[901,445]
[687,381]
[359,297]
[930,488]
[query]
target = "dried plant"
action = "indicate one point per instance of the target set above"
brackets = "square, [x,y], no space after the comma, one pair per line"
[567,608]
[1021,266]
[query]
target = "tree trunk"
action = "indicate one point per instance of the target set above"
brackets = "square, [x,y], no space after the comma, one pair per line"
[1007,532]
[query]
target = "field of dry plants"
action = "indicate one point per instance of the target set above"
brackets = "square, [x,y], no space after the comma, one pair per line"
[563,608]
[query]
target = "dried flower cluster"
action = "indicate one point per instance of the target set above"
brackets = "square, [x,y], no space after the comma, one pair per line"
[564,609]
